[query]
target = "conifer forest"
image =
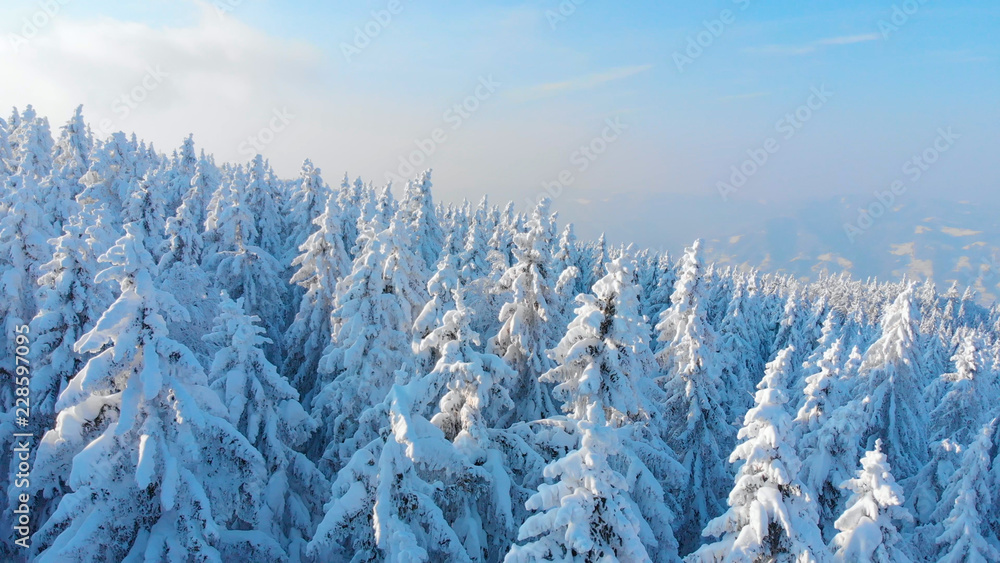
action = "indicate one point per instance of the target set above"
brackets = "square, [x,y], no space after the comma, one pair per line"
[205,361]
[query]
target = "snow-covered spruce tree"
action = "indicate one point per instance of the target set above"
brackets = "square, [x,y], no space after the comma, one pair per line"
[23,249]
[656,298]
[587,514]
[441,288]
[69,302]
[969,511]
[695,423]
[107,185]
[526,331]
[772,516]
[740,365]
[475,398]
[892,379]
[70,160]
[417,211]
[501,242]
[474,259]
[33,146]
[146,207]
[322,263]
[262,201]
[868,530]
[142,442]
[204,182]
[181,273]
[350,198]
[388,503]
[178,175]
[244,269]
[966,396]
[265,408]
[821,391]
[603,359]
[310,197]
[371,340]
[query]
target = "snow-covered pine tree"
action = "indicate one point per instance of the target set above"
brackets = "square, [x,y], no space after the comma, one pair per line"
[372,320]
[33,146]
[963,398]
[501,242]
[603,360]
[68,304]
[322,263]
[868,530]
[265,408]
[474,400]
[526,331]
[474,259]
[244,269]
[695,423]
[263,202]
[969,512]
[892,379]
[417,211]
[387,501]
[349,199]
[146,207]
[441,288]
[310,197]
[740,337]
[107,185]
[70,160]
[772,515]
[142,442]
[180,269]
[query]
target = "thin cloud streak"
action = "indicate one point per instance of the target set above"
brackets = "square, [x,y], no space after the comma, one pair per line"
[811,47]
[579,83]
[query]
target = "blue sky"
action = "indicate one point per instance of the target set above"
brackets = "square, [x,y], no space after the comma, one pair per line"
[558,80]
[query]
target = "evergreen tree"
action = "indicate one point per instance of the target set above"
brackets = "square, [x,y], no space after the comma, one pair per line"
[695,419]
[893,380]
[265,408]
[967,531]
[418,213]
[602,361]
[867,527]
[525,333]
[371,340]
[244,269]
[310,197]
[322,263]
[142,443]
[772,516]
[70,160]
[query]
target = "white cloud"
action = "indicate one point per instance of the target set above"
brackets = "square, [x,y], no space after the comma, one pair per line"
[219,79]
